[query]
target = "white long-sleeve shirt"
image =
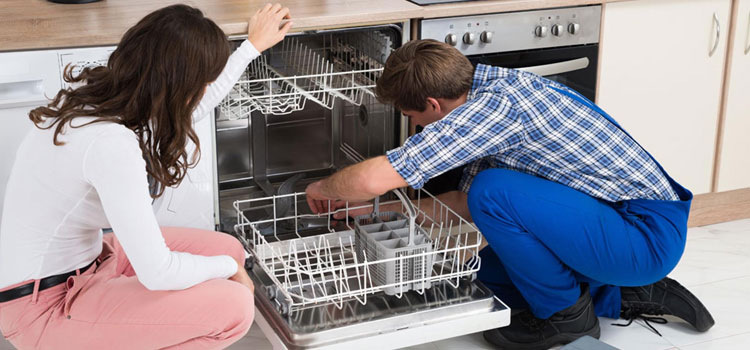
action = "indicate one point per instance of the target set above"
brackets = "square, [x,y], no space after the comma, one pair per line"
[59,197]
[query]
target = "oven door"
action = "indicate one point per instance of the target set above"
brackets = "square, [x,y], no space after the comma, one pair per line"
[573,66]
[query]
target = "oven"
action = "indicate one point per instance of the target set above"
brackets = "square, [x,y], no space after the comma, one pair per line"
[560,44]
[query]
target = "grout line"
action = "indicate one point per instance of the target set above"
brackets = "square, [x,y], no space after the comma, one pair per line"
[712,282]
[715,339]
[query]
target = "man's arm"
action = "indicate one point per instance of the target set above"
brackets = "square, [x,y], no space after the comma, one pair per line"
[484,126]
[359,182]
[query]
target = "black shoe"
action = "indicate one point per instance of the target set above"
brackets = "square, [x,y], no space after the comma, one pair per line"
[528,332]
[666,297]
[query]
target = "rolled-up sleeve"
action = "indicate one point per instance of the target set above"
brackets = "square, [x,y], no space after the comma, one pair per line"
[484,126]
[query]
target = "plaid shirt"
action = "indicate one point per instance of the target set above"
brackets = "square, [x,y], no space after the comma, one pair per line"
[515,120]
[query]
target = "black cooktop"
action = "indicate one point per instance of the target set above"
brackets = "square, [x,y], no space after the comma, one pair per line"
[433,2]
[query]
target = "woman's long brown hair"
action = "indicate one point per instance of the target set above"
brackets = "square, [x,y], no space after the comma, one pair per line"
[151,85]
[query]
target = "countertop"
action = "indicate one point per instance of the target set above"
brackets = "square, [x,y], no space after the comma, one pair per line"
[38,24]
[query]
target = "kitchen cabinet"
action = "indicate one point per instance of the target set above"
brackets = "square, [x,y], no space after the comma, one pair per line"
[26,80]
[661,78]
[734,148]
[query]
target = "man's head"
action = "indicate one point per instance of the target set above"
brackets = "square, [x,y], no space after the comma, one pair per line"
[426,79]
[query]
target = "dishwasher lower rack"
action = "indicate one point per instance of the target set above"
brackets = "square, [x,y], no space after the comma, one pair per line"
[312,259]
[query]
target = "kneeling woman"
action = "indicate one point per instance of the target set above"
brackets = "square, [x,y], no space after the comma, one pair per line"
[64,285]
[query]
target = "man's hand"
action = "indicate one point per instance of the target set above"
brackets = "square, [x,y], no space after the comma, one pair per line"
[242,277]
[356,183]
[317,201]
[264,29]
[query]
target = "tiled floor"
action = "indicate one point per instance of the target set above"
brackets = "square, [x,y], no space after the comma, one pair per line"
[716,267]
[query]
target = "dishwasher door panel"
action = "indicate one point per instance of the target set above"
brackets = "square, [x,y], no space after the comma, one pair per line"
[384,322]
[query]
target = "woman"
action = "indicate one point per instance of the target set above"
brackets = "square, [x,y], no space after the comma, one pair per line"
[64,285]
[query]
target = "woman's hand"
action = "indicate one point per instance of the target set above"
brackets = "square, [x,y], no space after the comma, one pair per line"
[264,29]
[242,277]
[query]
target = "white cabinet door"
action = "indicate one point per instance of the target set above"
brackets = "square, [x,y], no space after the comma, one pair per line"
[734,162]
[661,78]
[26,80]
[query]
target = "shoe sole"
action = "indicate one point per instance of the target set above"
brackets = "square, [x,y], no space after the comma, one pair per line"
[702,324]
[560,339]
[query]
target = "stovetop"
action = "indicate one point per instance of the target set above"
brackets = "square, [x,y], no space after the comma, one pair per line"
[434,2]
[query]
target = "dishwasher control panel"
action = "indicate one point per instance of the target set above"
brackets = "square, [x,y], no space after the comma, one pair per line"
[506,32]
[82,58]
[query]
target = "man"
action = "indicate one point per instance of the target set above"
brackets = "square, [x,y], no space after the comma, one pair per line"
[581,221]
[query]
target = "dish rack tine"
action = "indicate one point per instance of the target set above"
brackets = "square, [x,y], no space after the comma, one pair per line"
[466,244]
[296,224]
[455,251]
[361,282]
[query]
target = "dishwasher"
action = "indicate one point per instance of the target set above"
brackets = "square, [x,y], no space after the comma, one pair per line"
[402,274]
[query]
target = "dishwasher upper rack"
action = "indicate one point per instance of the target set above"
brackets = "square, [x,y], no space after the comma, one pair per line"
[307,271]
[341,66]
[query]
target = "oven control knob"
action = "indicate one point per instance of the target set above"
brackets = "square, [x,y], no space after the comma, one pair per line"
[558,29]
[469,38]
[540,31]
[451,39]
[574,28]
[485,37]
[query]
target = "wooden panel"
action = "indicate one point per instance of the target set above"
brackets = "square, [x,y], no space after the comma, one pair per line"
[734,160]
[35,24]
[658,80]
[713,208]
[39,24]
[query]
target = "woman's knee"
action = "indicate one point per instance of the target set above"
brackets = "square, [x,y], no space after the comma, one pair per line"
[236,306]
[233,247]
[206,242]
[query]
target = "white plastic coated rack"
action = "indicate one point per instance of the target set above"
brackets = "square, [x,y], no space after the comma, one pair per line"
[311,270]
[280,82]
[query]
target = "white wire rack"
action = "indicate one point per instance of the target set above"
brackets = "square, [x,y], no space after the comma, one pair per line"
[341,67]
[326,268]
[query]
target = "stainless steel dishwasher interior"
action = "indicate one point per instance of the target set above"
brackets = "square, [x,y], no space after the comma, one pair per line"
[306,139]
[309,129]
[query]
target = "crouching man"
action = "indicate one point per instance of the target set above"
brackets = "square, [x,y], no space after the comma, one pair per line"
[581,221]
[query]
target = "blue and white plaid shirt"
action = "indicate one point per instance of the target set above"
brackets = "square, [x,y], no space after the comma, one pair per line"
[516,120]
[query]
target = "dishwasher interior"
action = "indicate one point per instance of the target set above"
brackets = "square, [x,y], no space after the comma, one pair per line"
[398,271]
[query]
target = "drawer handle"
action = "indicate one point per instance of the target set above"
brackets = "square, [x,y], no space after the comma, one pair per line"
[22,93]
[747,36]
[559,67]
[717,27]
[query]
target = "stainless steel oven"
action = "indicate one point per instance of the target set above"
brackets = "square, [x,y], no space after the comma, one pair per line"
[302,110]
[560,44]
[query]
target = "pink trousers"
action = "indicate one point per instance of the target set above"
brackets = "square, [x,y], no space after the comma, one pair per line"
[105,307]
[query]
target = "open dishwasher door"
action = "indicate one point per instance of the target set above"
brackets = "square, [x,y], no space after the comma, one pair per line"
[300,111]
[328,284]
[385,322]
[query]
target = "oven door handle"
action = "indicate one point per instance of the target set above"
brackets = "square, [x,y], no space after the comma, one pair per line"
[558,68]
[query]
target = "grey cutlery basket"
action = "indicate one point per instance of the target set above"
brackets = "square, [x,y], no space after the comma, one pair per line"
[401,267]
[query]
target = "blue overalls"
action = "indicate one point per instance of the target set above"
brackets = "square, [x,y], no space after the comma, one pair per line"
[545,238]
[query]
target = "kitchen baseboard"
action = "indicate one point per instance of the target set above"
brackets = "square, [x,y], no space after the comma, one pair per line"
[713,208]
